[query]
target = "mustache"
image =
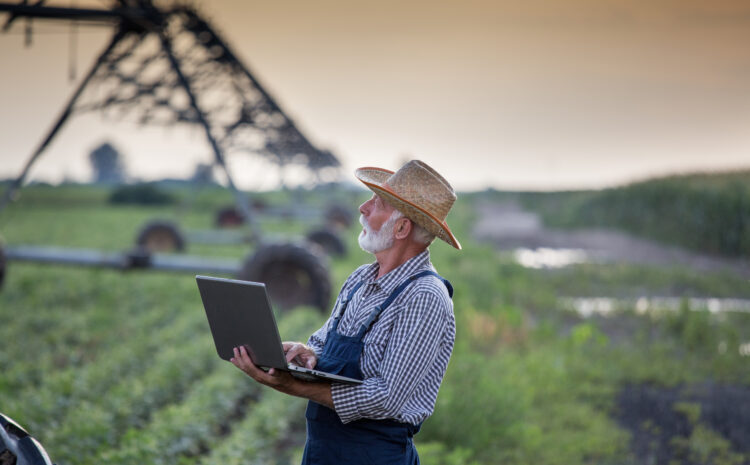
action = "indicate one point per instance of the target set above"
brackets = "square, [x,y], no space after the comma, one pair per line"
[364,223]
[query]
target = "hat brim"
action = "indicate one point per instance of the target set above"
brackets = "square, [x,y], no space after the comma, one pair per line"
[375,179]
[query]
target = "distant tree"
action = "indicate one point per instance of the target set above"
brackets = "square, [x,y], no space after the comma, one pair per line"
[107,164]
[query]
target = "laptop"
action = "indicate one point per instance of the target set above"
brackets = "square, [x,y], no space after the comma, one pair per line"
[239,314]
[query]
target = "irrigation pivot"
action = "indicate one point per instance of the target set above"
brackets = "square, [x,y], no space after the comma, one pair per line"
[168,66]
[282,265]
[165,66]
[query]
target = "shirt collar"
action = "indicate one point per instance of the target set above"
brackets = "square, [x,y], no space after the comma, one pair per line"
[393,278]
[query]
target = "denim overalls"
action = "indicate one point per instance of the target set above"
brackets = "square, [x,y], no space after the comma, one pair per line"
[364,441]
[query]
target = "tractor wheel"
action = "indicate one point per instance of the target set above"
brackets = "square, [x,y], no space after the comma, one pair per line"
[229,217]
[258,205]
[294,275]
[339,216]
[329,241]
[161,236]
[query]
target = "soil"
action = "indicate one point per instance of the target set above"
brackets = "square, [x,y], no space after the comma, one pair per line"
[661,429]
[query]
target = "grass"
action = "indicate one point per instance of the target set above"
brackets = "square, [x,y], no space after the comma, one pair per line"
[100,363]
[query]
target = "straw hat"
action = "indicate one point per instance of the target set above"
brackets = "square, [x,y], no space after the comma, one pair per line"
[417,191]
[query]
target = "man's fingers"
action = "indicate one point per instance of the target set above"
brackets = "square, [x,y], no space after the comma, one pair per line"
[302,356]
[243,361]
[295,351]
[277,379]
[246,357]
[236,359]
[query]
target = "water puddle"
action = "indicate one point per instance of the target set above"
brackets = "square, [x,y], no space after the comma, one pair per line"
[544,257]
[587,306]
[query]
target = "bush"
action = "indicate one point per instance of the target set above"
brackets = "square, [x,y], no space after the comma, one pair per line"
[141,194]
[709,213]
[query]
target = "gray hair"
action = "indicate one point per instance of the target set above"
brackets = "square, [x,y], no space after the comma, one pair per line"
[422,235]
[419,233]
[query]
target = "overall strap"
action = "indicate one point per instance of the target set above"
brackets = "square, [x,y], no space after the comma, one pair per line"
[344,304]
[379,309]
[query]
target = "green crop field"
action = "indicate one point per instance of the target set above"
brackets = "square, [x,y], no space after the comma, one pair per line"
[104,366]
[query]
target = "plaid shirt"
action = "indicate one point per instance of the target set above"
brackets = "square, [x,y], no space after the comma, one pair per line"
[406,350]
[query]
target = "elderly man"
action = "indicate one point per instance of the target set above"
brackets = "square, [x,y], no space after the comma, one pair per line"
[392,326]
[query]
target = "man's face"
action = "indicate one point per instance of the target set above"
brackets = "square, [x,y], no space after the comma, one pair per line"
[376,211]
[377,225]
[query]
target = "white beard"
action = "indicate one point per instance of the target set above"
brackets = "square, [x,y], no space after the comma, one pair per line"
[377,241]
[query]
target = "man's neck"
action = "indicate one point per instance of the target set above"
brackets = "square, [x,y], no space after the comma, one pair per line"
[395,256]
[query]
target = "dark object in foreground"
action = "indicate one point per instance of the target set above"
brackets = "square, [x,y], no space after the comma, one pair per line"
[17,447]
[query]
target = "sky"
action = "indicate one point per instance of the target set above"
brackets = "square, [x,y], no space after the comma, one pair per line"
[534,95]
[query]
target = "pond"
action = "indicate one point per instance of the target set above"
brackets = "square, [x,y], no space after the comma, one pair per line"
[587,306]
[546,257]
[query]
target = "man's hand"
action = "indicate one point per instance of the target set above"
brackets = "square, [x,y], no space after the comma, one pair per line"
[277,379]
[300,354]
[283,381]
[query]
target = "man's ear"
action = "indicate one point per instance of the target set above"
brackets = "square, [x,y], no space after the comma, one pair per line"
[402,228]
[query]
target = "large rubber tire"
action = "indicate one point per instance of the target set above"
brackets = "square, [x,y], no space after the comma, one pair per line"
[294,275]
[339,216]
[328,240]
[161,236]
[229,217]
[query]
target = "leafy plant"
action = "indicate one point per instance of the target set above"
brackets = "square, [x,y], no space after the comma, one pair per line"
[140,194]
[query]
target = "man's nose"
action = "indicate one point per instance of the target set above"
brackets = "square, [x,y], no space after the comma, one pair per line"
[365,207]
